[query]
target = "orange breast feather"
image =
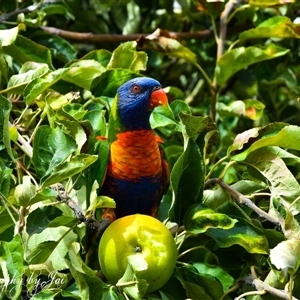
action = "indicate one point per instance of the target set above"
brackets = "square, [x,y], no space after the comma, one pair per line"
[135,154]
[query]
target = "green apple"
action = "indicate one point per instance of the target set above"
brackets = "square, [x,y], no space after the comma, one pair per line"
[138,238]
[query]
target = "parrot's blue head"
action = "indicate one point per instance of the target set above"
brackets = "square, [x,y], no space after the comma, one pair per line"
[136,99]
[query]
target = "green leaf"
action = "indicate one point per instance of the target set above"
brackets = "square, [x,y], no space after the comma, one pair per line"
[74,111]
[278,26]
[243,234]
[286,256]
[199,218]
[58,8]
[96,117]
[111,293]
[6,220]
[178,106]
[198,286]
[5,146]
[100,202]
[268,3]
[136,265]
[162,118]
[12,266]
[41,217]
[108,82]
[28,72]
[274,134]
[83,72]
[69,168]
[102,56]
[61,49]
[87,284]
[215,271]
[126,57]
[50,148]
[286,77]
[40,85]
[289,225]
[77,262]
[24,49]
[187,179]
[8,36]
[281,181]
[195,126]
[52,244]
[239,58]
[76,131]
[42,252]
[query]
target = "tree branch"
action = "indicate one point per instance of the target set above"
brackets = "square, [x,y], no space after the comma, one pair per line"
[223,28]
[242,200]
[97,226]
[263,287]
[87,37]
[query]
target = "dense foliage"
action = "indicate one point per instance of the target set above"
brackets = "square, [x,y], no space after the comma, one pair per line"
[231,134]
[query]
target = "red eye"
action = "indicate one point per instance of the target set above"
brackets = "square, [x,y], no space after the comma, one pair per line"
[135,89]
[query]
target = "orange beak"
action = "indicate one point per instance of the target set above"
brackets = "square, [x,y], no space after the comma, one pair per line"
[158,97]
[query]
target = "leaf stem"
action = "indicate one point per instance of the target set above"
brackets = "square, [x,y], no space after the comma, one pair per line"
[20,165]
[214,26]
[183,239]
[208,80]
[236,11]
[295,201]
[233,44]
[232,162]
[189,250]
[232,289]
[36,128]
[250,293]
[215,165]
[4,200]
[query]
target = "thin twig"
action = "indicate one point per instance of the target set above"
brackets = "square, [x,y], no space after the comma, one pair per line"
[31,8]
[263,288]
[97,226]
[242,200]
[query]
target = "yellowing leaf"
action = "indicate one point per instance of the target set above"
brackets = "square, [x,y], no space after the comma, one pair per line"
[8,36]
[199,218]
[279,26]
[268,3]
[286,256]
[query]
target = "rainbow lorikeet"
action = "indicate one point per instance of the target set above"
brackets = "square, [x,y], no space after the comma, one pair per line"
[137,173]
[134,172]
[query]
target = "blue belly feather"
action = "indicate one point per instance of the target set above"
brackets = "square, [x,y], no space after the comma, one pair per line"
[132,197]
